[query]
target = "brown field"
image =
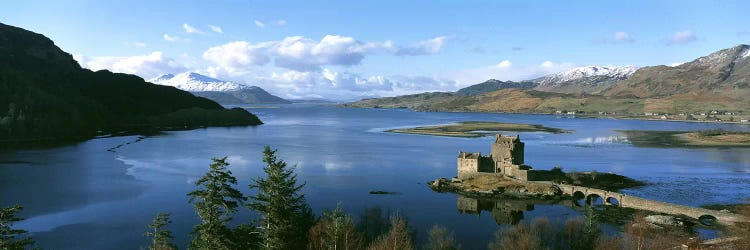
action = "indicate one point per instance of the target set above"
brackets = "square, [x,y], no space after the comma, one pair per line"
[475,129]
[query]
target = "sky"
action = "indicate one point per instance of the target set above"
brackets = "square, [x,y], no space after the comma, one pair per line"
[351,49]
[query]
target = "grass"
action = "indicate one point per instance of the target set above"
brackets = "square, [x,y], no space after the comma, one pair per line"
[476,129]
[483,183]
[707,138]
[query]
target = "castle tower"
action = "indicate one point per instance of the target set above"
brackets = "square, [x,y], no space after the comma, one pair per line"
[507,151]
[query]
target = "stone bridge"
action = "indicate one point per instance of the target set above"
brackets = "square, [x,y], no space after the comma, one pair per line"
[624,200]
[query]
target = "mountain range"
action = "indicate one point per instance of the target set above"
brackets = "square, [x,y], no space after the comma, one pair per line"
[718,81]
[224,92]
[46,96]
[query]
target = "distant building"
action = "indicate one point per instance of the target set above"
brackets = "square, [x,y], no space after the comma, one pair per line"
[506,159]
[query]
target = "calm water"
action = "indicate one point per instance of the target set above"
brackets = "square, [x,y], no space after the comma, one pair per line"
[83,196]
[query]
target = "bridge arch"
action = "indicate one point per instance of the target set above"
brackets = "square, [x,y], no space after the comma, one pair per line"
[592,199]
[708,220]
[577,197]
[612,201]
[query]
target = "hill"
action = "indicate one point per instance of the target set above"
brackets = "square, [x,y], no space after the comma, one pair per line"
[493,85]
[713,87]
[725,74]
[45,96]
[224,92]
[406,101]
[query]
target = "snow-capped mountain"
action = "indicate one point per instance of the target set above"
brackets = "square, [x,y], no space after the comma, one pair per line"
[722,75]
[194,82]
[617,72]
[589,79]
[224,92]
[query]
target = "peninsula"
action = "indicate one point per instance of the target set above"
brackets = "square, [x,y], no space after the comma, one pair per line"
[476,129]
[705,138]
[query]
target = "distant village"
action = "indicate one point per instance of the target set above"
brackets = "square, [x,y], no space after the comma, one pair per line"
[713,115]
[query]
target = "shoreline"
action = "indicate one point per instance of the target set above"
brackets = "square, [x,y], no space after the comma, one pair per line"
[688,139]
[474,129]
[560,115]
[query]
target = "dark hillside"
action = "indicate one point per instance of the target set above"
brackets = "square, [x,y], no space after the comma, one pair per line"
[46,95]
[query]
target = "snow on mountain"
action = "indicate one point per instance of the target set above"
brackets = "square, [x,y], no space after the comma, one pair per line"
[616,72]
[722,57]
[195,82]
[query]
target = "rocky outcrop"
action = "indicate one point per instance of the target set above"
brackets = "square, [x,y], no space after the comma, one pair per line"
[504,189]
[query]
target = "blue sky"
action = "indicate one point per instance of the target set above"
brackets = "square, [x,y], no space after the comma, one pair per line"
[340,49]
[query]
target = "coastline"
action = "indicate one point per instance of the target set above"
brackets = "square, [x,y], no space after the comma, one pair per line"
[553,114]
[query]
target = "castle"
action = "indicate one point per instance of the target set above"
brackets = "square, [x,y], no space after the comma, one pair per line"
[506,159]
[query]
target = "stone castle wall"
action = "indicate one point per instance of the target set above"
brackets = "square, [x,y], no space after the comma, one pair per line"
[515,172]
[506,159]
[508,150]
[467,167]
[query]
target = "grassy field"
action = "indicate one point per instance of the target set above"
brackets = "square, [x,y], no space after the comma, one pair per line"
[476,129]
[708,138]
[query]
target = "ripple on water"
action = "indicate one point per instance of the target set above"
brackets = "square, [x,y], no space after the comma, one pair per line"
[687,191]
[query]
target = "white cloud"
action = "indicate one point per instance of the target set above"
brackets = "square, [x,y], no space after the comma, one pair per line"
[356,82]
[191,30]
[341,85]
[306,68]
[303,54]
[216,29]
[547,64]
[260,24]
[146,66]
[504,64]
[281,22]
[136,44]
[426,47]
[622,36]
[235,56]
[504,71]
[682,37]
[296,53]
[169,38]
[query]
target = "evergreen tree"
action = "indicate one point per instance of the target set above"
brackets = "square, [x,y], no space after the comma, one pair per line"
[285,215]
[12,238]
[161,238]
[215,201]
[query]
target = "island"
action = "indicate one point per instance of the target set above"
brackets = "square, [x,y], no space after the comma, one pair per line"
[475,129]
[503,175]
[705,138]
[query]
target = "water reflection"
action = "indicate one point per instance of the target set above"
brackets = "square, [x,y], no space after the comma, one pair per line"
[504,211]
[511,211]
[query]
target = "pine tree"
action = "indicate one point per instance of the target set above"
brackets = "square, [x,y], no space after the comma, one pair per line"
[12,238]
[161,238]
[285,215]
[215,201]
